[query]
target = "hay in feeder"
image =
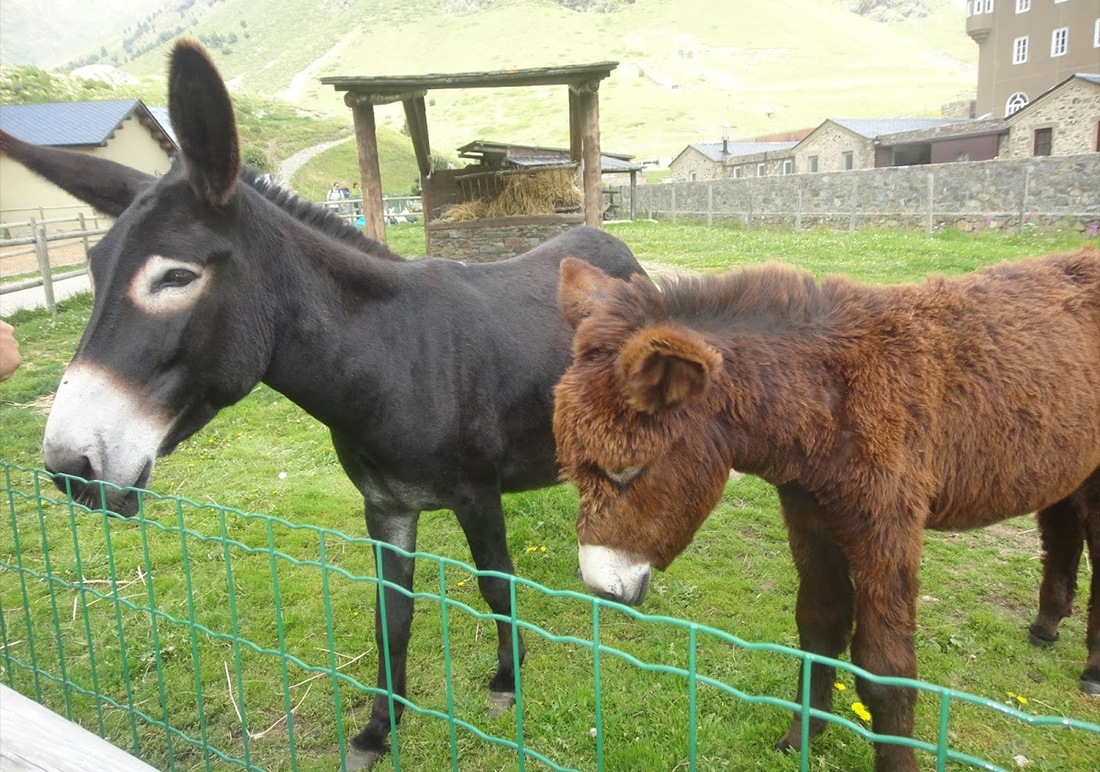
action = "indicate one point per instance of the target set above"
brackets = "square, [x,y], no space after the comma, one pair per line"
[467,210]
[523,193]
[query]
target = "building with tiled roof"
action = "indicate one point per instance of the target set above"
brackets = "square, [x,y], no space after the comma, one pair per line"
[121,130]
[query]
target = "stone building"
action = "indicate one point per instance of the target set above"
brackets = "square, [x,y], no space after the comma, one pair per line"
[1063,121]
[841,144]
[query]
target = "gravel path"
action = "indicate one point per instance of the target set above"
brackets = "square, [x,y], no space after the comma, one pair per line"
[290,166]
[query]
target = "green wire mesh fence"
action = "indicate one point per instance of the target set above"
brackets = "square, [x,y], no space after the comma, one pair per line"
[200,637]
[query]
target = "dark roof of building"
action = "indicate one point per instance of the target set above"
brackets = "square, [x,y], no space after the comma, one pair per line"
[497,153]
[76,124]
[873,127]
[715,152]
[1091,77]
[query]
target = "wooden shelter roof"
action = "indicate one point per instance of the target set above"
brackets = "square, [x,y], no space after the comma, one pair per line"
[397,86]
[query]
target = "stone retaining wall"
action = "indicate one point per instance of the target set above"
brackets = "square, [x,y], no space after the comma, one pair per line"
[496,238]
[995,193]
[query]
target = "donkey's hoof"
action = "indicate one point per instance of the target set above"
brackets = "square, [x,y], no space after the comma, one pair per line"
[1090,683]
[1040,638]
[783,746]
[356,760]
[500,702]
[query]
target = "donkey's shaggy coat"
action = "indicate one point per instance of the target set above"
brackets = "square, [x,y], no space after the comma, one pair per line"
[877,412]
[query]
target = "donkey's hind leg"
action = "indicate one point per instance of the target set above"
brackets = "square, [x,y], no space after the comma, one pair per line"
[1089,496]
[1062,536]
[825,605]
[482,520]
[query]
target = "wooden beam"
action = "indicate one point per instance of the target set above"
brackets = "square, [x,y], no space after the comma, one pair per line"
[633,192]
[589,112]
[574,128]
[366,142]
[417,117]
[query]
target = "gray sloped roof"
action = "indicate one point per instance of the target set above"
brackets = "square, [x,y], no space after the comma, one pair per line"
[160,115]
[1089,76]
[67,124]
[873,127]
[713,150]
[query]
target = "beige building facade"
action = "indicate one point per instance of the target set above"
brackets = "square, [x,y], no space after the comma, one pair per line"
[1026,47]
[137,140]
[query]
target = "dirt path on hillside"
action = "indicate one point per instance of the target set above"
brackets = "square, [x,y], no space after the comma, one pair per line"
[289,167]
[298,83]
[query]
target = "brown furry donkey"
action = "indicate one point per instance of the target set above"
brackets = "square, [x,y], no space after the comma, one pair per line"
[877,412]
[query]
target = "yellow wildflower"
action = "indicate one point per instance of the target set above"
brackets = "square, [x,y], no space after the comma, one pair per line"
[839,686]
[861,710]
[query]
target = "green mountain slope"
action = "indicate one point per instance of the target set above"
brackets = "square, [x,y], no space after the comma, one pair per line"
[686,66]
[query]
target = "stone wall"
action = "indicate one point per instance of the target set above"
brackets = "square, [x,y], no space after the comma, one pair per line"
[1073,113]
[978,194]
[692,161]
[496,238]
[829,143]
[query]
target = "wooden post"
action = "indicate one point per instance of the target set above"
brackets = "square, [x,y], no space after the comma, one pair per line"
[674,203]
[84,230]
[417,117]
[42,252]
[855,198]
[575,120]
[589,113]
[748,212]
[1023,199]
[798,214]
[710,203]
[366,141]
[633,193]
[931,193]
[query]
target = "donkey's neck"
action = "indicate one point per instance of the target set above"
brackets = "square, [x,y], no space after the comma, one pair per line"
[778,406]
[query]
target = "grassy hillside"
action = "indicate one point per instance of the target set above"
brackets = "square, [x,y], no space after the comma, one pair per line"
[396,160]
[686,66]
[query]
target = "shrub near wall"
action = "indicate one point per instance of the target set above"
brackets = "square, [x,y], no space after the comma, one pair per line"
[994,193]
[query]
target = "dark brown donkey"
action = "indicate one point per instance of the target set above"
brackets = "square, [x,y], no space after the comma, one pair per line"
[877,412]
[435,378]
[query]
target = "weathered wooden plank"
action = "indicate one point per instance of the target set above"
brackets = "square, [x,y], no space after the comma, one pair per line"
[416,116]
[366,141]
[35,739]
[589,111]
[566,75]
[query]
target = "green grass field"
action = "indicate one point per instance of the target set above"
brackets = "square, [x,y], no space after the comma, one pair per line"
[266,456]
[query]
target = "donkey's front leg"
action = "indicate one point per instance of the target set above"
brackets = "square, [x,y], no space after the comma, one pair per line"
[1062,535]
[482,520]
[399,530]
[886,588]
[824,609]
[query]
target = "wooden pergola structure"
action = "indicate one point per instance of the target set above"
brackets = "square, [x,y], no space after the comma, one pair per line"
[363,93]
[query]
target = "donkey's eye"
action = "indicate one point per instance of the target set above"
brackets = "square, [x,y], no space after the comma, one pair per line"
[177,277]
[625,476]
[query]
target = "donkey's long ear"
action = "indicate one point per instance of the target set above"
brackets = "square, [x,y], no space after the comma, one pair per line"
[202,117]
[581,288]
[664,368]
[103,184]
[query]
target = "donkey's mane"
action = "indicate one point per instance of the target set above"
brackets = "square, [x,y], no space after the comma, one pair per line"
[764,297]
[318,217]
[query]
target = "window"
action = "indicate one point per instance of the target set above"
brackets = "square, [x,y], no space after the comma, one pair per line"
[849,160]
[812,161]
[1023,6]
[969,9]
[989,6]
[737,172]
[760,170]
[691,176]
[1096,34]
[1058,40]
[1015,102]
[1044,139]
[1019,50]
[788,166]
